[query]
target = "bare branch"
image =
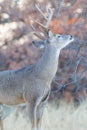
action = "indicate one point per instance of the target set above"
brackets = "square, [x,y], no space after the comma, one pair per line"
[75,73]
[39,10]
[59,8]
[37,33]
[48,18]
[63,86]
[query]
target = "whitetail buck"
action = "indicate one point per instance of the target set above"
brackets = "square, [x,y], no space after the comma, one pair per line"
[31,84]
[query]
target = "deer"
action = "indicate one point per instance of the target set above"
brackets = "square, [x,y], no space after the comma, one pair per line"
[32,84]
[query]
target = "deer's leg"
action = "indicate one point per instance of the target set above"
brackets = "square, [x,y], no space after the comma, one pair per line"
[32,108]
[31,115]
[1,121]
[40,110]
[16,113]
[20,108]
[39,114]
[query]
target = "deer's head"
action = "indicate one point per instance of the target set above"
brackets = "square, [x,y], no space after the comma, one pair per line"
[55,40]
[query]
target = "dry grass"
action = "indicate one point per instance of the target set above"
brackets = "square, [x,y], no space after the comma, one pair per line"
[64,117]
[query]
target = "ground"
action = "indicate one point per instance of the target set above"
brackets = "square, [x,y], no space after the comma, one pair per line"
[55,117]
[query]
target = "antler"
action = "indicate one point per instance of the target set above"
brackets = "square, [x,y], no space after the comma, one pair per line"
[37,33]
[48,19]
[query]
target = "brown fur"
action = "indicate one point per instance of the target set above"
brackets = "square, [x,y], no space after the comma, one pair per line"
[31,84]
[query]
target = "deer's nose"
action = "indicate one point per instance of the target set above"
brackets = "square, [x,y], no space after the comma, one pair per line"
[71,37]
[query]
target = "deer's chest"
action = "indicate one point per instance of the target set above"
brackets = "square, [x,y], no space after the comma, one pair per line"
[35,88]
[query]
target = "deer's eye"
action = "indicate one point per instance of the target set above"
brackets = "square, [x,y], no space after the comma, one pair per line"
[58,36]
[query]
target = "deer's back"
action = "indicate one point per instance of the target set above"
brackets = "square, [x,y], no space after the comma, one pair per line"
[14,84]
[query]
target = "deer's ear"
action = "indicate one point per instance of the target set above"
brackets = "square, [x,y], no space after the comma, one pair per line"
[39,44]
[50,34]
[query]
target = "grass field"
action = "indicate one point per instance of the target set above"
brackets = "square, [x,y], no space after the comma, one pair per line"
[62,117]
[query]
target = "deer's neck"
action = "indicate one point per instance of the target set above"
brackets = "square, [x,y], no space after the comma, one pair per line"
[47,65]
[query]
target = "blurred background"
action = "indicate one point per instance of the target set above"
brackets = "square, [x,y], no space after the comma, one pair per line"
[17,50]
